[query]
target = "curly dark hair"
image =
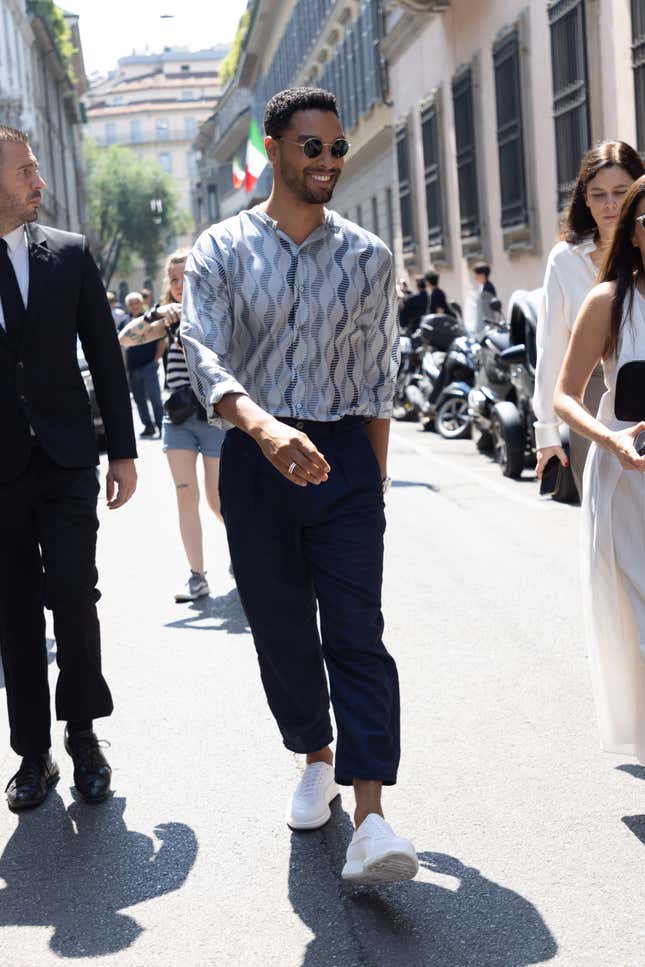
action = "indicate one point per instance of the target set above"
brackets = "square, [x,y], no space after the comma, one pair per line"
[579,222]
[283,105]
[624,263]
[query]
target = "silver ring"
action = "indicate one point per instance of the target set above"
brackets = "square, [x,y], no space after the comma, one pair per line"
[292,467]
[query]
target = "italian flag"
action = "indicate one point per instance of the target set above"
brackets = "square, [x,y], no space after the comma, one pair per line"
[256,156]
[239,174]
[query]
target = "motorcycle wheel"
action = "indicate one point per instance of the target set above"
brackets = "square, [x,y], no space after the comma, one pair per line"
[452,419]
[508,440]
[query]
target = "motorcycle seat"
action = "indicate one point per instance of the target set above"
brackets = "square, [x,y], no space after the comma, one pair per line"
[500,340]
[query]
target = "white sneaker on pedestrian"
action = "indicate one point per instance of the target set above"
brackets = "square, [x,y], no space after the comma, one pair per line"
[196,587]
[376,855]
[308,808]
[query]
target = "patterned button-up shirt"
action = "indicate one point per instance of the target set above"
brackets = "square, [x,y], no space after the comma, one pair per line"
[307,331]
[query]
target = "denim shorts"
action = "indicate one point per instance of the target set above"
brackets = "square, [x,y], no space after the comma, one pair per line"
[192,434]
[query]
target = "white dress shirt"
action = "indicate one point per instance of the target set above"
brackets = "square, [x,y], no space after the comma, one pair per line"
[19,257]
[570,274]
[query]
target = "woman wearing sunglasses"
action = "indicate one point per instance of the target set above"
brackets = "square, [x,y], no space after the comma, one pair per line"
[611,329]
[605,175]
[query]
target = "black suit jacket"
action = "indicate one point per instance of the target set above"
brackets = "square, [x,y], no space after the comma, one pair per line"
[40,380]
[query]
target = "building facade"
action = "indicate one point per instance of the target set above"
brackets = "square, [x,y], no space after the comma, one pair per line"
[327,43]
[494,105]
[154,104]
[41,93]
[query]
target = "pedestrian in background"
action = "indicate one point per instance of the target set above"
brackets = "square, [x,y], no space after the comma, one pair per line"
[186,432]
[605,175]
[118,312]
[142,364]
[437,302]
[414,306]
[51,295]
[304,373]
[610,329]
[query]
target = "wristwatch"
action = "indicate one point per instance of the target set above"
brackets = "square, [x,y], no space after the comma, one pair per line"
[386,483]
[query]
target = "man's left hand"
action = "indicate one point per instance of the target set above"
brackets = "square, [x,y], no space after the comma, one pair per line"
[122,475]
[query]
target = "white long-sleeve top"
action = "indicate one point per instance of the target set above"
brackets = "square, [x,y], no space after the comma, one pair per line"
[570,274]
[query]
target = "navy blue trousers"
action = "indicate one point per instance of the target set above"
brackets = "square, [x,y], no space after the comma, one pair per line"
[299,552]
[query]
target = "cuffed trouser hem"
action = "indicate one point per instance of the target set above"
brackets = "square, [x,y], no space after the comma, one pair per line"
[350,782]
[301,747]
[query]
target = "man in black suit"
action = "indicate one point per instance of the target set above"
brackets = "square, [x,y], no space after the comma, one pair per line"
[414,307]
[51,295]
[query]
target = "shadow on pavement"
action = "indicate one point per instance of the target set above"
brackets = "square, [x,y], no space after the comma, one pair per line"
[415,483]
[472,922]
[638,772]
[51,655]
[226,611]
[637,826]
[75,869]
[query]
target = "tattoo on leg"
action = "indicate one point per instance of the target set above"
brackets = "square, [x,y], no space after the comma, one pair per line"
[182,486]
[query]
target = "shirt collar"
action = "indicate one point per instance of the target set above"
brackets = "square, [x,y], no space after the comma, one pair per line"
[328,222]
[586,246]
[16,239]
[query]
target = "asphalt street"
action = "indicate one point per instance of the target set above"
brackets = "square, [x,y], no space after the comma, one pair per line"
[531,841]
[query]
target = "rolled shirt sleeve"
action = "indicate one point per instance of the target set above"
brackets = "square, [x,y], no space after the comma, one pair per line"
[381,327]
[552,342]
[207,327]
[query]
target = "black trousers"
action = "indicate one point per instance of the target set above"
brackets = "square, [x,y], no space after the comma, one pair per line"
[48,527]
[302,554]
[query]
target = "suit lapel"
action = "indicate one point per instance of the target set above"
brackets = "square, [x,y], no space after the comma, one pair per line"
[40,259]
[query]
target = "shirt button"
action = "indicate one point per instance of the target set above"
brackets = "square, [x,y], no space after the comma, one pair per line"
[300,425]
[21,365]
[23,399]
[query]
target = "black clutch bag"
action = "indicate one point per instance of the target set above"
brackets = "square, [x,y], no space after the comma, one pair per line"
[629,404]
[181,404]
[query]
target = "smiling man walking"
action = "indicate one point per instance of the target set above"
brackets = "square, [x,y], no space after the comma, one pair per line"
[51,295]
[290,333]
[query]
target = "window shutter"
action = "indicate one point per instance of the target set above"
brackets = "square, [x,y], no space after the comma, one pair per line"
[405,187]
[462,96]
[432,174]
[570,90]
[510,135]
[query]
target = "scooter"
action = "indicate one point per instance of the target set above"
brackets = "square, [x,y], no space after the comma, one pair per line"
[492,384]
[447,405]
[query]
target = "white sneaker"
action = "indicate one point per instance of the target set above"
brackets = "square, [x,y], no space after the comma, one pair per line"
[376,855]
[309,805]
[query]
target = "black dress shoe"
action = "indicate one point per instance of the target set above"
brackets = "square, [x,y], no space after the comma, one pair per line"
[92,773]
[30,785]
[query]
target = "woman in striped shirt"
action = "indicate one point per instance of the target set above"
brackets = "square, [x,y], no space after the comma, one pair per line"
[182,442]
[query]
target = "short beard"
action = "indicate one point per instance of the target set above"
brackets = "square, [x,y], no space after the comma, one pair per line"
[297,185]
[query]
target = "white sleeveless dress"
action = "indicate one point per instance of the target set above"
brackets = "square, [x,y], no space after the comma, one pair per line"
[613,568]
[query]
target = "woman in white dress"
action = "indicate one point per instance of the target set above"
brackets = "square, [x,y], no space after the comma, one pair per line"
[611,328]
[606,173]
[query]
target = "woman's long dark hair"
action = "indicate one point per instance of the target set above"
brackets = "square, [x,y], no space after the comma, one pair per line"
[580,223]
[624,262]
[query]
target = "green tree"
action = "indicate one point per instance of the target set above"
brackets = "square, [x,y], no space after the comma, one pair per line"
[132,210]
[229,64]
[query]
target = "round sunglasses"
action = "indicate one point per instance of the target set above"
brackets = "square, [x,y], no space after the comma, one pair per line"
[313,147]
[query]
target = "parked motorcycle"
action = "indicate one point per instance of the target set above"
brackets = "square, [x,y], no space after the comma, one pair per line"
[512,419]
[422,356]
[492,384]
[447,405]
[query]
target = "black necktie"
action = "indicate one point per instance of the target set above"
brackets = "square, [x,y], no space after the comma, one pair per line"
[13,307]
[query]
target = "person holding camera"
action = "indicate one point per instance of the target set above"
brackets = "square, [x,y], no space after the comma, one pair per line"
[185,431]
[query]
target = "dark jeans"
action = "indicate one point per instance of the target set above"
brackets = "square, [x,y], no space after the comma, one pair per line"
[298,551]
[48,528]
[144,383]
